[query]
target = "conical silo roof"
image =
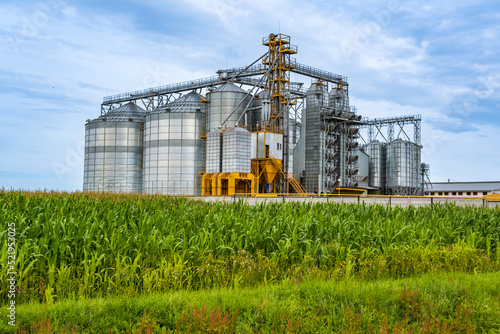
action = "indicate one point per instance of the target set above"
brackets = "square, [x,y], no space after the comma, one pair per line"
[229,87]
[190,102]
[235,129]
[126,113]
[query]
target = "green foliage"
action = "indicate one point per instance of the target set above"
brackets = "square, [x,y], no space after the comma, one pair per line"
[433,303]
[81,245]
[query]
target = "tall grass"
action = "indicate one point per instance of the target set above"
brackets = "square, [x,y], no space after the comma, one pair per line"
[83,245]
[432,303]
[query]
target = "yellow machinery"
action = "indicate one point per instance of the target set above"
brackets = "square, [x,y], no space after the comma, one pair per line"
[272,173]
[228,184]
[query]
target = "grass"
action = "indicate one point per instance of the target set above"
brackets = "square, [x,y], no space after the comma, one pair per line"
[433,303]
[278,267]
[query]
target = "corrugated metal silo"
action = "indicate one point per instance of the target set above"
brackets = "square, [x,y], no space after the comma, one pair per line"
[261,109]
[377,162]
[316,99]
[237,147]
[174,153]
[223,101]
[113,151]
[292,128]
[402,164]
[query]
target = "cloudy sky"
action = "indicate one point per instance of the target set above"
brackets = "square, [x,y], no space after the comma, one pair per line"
[59,58]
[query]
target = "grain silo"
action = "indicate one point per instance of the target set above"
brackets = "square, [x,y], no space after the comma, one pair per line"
[236,155]
[402,167]
[377,164]
[223,101]
[174,153]
[317,98]
[227,102]
[113,151]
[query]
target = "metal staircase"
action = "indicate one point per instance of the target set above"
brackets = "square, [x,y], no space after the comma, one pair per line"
[290,178]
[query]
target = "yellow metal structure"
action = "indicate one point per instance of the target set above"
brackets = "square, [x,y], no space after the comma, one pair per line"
[349,191]
[228,184]
[268,175]
[492,197]
[280,64]
[269,172]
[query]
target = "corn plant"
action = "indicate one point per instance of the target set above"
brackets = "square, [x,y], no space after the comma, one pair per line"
[86,244]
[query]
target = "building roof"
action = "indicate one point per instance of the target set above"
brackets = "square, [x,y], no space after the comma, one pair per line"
[190,102]
[464,186]
[126,113]
[229,87]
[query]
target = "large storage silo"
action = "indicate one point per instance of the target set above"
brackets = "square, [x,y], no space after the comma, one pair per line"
[315,150]
[223,101]
[377,162]
[113,151]
[174,153]
[402,163]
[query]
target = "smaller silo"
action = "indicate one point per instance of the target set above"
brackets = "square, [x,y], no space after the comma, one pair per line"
[227,102]
[261,109]
[236,155]
[402,165]
[377,164]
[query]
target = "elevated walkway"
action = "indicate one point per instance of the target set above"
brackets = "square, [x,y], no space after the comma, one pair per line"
[223,76]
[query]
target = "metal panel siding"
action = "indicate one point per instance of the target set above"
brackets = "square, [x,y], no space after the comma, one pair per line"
[174,151]
[214,153]
[236,145]
[314,139]
[377,164]
[363,165]
[261,145]
[113,154]
[402,163]
[254,146]
[273,139]
[222,103]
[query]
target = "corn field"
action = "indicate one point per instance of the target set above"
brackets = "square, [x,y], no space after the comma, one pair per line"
[78,245]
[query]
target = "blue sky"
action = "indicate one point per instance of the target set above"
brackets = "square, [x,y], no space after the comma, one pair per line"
[59,58]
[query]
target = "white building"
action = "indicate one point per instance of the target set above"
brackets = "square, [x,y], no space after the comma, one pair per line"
[462,189]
